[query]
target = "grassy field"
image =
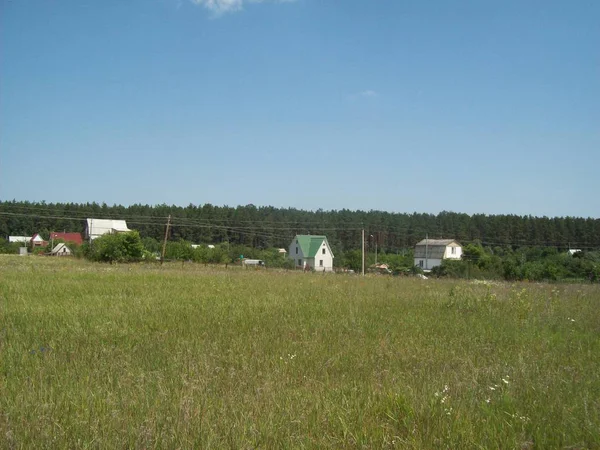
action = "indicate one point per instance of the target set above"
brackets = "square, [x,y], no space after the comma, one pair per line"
[139,356]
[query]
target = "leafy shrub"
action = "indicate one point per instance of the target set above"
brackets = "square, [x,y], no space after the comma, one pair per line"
[120,247]
[9,247]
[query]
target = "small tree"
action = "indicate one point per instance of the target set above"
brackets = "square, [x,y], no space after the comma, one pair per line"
[121,247]
[9,247]
[352,260]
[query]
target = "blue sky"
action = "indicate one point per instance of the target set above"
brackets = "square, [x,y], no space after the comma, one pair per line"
[469,106]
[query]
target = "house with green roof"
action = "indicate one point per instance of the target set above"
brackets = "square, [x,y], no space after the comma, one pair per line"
[309,251]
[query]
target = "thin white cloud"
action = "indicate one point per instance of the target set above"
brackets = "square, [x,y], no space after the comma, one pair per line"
[369,93]
[224,6]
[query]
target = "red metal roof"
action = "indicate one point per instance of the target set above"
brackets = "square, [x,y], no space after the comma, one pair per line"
[67,237]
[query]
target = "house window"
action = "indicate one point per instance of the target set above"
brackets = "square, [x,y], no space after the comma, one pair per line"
[296,242]
[321,262]
[421,263]
[299,262]
[296,250]
[454,250]
[323,250]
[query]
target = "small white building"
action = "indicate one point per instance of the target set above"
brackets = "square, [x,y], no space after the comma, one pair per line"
[572,251]
[21,239]
[97,227]
[253,262]
[314,252]
[61,250]
[430,253]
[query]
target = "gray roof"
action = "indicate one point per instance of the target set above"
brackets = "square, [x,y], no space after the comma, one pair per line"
[24,239]
[443,242]
[433,248]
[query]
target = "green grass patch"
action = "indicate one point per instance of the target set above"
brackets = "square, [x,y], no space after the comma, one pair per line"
[187,356]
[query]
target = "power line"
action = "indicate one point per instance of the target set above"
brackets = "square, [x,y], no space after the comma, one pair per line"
[264,230]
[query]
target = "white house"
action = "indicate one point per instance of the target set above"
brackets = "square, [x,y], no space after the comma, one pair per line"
[572,251]
[61,250]
[314,252]
[429,253]
[97,227]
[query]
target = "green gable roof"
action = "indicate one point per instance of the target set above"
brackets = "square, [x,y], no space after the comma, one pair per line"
[310,244]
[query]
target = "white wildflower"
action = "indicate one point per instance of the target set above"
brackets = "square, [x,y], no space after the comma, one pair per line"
[504,380]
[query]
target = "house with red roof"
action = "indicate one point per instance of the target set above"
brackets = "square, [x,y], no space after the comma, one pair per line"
[75,238]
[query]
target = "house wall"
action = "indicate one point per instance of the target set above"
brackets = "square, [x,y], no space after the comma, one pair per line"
[431,263]
[457,252]
[296,256]
[302,262]
[327,259]
[98,227]
[37,241]
[448,254]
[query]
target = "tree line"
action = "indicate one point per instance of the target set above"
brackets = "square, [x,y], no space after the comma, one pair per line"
[495,247]
[268,227]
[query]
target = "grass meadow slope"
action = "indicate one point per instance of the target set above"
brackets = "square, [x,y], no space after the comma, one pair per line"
[141,356]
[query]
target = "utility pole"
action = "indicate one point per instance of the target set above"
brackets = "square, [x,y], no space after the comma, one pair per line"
[162,256]
[426,251]
[363,252]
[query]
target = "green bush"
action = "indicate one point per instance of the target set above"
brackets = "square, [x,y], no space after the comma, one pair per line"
[121,247]
[9,247]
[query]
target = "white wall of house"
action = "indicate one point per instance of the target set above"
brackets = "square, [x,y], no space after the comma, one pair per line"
[295,253]
[61,250]
[453,251]
[37,241]
[97,227]
[324,259]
